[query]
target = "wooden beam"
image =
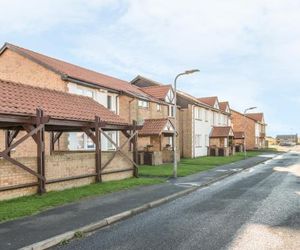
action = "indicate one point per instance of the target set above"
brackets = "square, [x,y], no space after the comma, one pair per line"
[118,149]
[135,149]
[54,137]
[24,138]
[19,164]
[40,137]
[98,149]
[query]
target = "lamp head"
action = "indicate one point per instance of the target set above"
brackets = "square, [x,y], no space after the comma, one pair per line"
[191,71]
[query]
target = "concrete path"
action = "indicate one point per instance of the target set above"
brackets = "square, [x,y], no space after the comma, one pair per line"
[28,230]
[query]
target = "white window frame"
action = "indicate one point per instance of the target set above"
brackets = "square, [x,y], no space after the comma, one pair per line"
[171,111]
[143,104]
[158,107]
[198,140]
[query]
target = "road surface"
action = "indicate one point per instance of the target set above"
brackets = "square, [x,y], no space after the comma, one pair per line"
[256,209]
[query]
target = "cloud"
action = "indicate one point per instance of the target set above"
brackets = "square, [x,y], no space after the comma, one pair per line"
[248,51]
[35,16]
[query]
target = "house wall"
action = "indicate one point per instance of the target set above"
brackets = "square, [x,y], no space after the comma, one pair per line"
[17,68]
[59,166]
[186,130]
[197,122]
[238,124]
[129,110]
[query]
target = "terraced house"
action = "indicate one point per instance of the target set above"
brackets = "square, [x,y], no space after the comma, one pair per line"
[254,126]
[207,126]
[158,130]
[126,101]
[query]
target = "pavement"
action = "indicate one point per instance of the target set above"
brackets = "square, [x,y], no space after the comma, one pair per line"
[50,223]
[255,209]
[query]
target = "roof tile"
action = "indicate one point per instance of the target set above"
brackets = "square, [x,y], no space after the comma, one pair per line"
[221,132]
[20,99]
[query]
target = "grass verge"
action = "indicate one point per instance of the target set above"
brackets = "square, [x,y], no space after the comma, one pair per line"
[24,206]
[192,166]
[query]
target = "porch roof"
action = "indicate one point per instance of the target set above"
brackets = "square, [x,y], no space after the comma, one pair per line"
[21,101]
[157,127]
[239,135]
[218,132]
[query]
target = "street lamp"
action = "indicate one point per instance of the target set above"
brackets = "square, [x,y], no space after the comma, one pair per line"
[187,72]
[245,126]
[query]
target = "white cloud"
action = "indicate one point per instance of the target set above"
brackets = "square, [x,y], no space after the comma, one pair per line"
[248,51]
[34,16]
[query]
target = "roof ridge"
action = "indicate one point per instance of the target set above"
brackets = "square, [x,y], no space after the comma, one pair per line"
[157,86]
[60,60]
[157,119]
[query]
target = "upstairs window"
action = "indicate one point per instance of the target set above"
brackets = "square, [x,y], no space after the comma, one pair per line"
[143,104]
[206,115]
[171,111]
[109,102]
[158,107]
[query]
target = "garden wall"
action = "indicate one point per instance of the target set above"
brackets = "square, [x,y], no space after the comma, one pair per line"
[61,165]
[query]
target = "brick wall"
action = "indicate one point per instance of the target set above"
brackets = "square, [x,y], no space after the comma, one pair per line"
[58,166]
[185,116]
[17,68]
[238,124]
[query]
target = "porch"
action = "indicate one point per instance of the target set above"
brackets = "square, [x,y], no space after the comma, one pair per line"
[221,142]
[156,140]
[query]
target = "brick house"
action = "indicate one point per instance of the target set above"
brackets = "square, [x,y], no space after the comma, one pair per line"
[161,122]
[130,102]
[201,118]
[253,126]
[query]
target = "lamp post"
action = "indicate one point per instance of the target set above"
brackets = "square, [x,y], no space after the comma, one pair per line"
[245,126]
[187,72]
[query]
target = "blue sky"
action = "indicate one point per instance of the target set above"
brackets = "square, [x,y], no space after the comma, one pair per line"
[248,51]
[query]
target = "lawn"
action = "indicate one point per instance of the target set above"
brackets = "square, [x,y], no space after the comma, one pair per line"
[29,205]
[191,166]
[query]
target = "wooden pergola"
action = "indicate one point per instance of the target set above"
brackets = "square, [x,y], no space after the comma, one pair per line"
[36,126]
[38,110]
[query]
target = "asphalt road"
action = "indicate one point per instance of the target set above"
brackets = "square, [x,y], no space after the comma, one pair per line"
[256,209]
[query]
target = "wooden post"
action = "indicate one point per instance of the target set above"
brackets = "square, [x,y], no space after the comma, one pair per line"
[40,151]
[98,149]
[51,142]
[7,142]
[135,148]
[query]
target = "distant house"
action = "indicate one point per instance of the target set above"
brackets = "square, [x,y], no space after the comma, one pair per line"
[254,127]
[290,139]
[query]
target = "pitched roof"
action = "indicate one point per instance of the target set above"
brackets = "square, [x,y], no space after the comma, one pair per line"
[68,70]
[158,92]
[20,99]
[211,100]
[148,81]
[221,132]
[256,116]
[156,126]
[223,106]
[192,98]
[239,134]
